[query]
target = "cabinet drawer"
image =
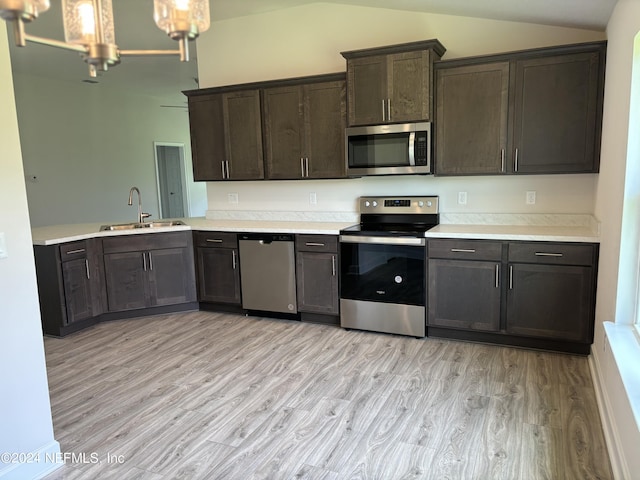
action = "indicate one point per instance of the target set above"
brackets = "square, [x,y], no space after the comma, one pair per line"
[552,253]
[216,239]
[465,249]
[317,243]
[149,241]
[73,251]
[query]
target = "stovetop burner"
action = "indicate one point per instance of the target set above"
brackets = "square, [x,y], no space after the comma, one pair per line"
[395,216]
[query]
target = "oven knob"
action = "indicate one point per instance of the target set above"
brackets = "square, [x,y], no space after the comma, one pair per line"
[398,279]
[421,204]
[366,204]
[429,204]
[375,204]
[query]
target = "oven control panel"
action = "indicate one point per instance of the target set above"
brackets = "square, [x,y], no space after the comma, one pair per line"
[400,204]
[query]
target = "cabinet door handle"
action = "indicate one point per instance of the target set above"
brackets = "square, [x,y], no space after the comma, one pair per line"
[86,266]
[463,250]
[388,109]
[314,244]
[150,261]
[224,174]
[544,254]
[383,114]
[333,265]
[502,160]
[302,166]
[306,167]
[510,277]
[515,163]
[228,173]
[144,261]
[497,276]
[213,240]
[79,250]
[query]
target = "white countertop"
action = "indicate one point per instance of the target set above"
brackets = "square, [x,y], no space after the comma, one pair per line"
[538,233]
[56,234]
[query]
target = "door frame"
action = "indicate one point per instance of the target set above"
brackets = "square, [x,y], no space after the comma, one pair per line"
[185,191]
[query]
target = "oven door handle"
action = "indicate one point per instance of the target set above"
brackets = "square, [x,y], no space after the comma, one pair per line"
[383,240]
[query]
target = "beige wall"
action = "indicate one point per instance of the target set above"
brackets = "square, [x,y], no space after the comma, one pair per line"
[617,277]
[89,144]
[25,412]
[308,40]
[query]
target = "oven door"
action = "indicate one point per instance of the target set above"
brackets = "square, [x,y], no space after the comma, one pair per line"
[383,269]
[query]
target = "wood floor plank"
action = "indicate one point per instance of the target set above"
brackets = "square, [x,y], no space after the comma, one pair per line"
[201,395]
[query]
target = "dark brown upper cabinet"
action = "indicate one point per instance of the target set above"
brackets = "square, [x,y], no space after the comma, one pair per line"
[304,128]
[531,112]
[391,84]
[226,135]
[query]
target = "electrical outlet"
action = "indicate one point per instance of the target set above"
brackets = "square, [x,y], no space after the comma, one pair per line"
[531,198]
[313,198]
[462,198]
[232,197]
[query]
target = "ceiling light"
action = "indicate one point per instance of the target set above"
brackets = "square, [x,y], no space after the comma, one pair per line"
[88,27]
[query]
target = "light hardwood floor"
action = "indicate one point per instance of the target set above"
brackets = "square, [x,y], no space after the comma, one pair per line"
[219,396]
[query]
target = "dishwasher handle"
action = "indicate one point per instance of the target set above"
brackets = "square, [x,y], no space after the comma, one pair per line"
[266,238]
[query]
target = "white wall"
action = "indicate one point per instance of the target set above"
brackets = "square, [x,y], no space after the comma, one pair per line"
[615,289]
[308,40]
[89,144]
[25,412]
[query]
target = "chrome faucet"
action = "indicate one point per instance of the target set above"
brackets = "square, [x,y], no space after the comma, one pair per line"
[141,214]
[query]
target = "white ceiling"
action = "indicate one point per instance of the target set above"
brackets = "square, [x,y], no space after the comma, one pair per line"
[165,77]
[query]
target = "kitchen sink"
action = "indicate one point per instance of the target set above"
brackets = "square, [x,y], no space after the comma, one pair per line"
[131,226]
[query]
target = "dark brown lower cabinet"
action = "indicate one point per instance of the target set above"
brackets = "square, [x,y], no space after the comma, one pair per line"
[70,285]
[149,270]
[217,267]
[317,277]
[532,294]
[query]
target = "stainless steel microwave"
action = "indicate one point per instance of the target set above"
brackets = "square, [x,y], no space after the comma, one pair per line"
[400,149]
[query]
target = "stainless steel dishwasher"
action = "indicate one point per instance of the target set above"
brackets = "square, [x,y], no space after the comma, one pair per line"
[267,272]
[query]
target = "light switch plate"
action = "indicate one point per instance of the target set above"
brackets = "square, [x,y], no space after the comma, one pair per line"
[3,246]
[232,197]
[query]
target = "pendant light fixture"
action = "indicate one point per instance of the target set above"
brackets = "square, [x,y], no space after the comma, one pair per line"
[88,27]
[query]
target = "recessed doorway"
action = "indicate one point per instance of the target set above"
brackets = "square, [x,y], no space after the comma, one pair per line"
[173,199]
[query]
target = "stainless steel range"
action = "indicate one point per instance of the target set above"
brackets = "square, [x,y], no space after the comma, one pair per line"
[382,265]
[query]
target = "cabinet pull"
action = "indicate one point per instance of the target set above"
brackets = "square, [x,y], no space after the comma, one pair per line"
[497,276]
[302,166]
[228,174]
[86,266]
[510,277]
[333,265]
[307,167]
[144,261]
[314,244]
[388,109]
[150,262]
[502,160]
[515,163]
[544,254]
[79,250]
[223,171]
[383,114]
[213,240]
[234,260]
[463,250]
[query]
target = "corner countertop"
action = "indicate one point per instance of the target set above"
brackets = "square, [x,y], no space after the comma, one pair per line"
[56,234]
[552,228]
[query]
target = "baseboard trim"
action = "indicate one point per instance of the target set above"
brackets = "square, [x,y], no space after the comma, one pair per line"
[46,460]
[612,439]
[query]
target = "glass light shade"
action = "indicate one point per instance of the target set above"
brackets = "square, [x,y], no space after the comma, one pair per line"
[182,18]
[27,10]
[84,25]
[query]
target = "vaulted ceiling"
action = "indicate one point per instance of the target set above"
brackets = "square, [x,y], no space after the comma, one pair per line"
[164,77]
